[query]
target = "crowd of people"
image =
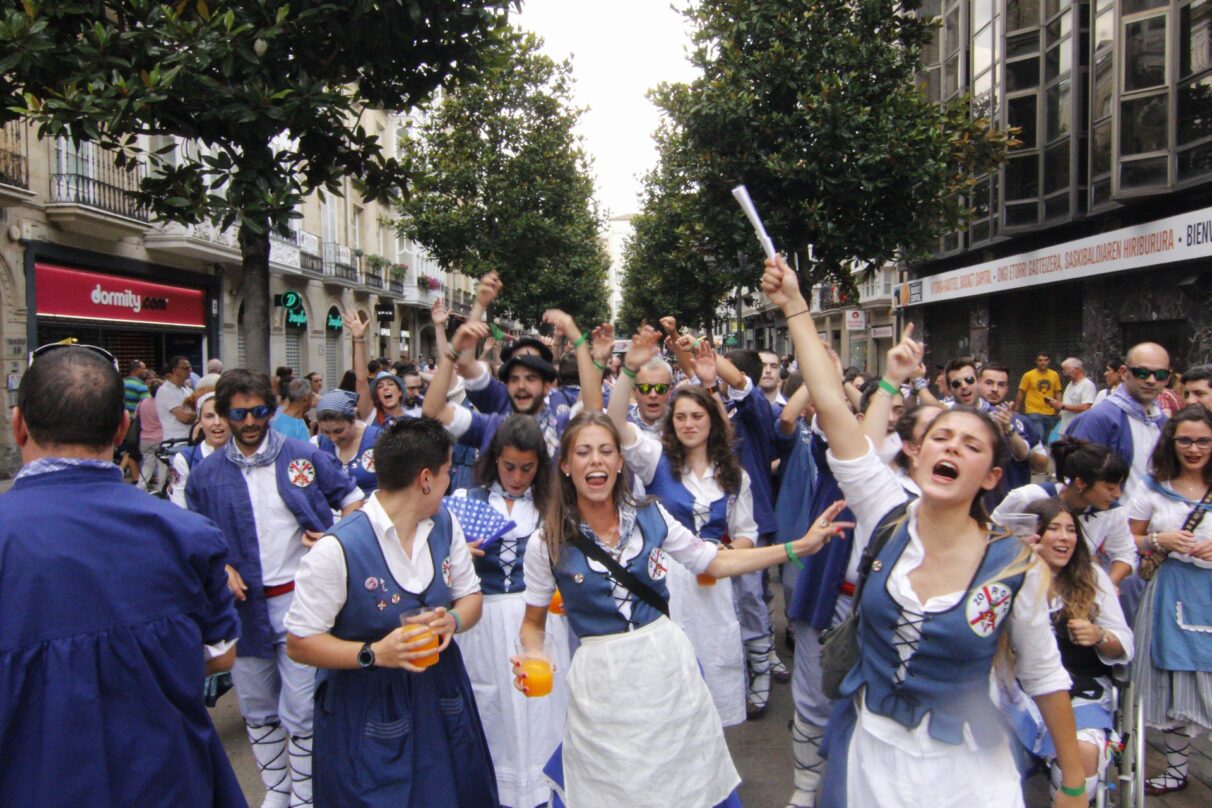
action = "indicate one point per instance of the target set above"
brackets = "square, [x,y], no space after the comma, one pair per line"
[493,578]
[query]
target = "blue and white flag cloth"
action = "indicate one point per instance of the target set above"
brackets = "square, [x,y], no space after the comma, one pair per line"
[479,520]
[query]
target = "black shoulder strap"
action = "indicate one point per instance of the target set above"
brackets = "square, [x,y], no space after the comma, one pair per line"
[634,585]
[1197,513]
[879,538]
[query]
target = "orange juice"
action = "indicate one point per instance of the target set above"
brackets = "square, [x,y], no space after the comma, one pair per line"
[538,674]
[705,580]
[431,644]
[557,603]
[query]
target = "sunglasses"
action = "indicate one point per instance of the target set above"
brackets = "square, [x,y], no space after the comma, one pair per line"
[1161,374]
[958,383]
[660,388]
[1186,443]
[240,413]
[71,342]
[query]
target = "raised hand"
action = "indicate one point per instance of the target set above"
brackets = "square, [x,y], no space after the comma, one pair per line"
[467,335]
[904,358]
[780,284]
[488,288]
[643,348]
[601,343]
[353,324]
[562,322]
[438,312]
[670,325]
[704,364]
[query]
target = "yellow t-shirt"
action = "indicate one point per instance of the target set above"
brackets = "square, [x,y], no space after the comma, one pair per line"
[1038,386]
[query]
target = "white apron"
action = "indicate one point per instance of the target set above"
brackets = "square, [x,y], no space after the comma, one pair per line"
[708,617]
[642,731]
[522,732]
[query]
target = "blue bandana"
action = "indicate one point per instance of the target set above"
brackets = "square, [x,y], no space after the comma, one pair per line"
[268,453]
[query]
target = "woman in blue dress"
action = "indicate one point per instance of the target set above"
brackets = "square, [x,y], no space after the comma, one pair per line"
[694,473]
[515,480]
[346,438]
[641,728]
[915,725]
[390,732]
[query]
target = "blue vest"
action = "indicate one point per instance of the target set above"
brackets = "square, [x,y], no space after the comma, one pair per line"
[216,489]
[490,568]
[948,675]
[587,600]
[193,455]
[680,503]
[797,473]
[362,467]
[753,421]
[817,586]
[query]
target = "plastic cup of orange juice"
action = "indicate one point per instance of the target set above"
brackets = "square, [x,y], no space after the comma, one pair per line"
[705,580]
[557,604]
[414,623]
[537,668]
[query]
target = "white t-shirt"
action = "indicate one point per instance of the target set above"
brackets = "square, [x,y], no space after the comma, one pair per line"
[168,398]
[320,586]
[1105,531]
[1164,514]
[1144,438]
[1082,392]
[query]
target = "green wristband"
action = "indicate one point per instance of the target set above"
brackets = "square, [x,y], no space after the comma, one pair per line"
[791,556]
[1076,791]
[628,372]
[458,621]
[889,388]
[597,364]
[580,341]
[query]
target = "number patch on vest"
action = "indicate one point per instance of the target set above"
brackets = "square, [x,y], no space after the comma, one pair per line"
[658,564]
[301,472]
[368,460]
[446,571]
[987,607]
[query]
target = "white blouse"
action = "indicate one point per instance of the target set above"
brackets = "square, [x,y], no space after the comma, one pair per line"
[1164,514]
[176,492]
[1106,531]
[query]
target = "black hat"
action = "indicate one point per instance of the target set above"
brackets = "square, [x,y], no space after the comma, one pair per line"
[527,342]
[531,361]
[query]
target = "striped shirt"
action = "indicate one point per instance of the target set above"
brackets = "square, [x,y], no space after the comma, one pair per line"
[136,391]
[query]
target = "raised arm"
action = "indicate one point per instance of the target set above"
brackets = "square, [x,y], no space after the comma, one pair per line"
[486,291]
[591,391]
[643,348]
[846,439]
[601,347]
[681,350]
[791,413]
[440,316]
[357,329]
[464,341]
[901,360]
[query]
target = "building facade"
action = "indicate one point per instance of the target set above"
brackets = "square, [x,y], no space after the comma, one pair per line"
[1095,233]
[79,259]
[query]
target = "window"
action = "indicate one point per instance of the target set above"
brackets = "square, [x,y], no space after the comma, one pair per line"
[1145,54]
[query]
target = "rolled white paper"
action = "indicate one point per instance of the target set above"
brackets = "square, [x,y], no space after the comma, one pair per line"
[741,195]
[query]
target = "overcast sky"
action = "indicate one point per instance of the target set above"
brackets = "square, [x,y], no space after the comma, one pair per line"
[620,49]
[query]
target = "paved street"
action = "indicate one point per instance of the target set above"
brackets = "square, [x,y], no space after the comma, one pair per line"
[761,749]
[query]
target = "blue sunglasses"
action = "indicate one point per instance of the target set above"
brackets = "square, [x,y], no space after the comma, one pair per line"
[240,413]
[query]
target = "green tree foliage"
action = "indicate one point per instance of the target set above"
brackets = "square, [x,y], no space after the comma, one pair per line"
[502,183]
[273,89]
[814,107]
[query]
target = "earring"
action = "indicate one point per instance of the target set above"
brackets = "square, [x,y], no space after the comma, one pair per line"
[425,490]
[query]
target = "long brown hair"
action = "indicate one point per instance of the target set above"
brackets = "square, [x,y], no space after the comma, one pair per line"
[719,440]
[562,517]
[1075,583]
[1164,463]
[997,442]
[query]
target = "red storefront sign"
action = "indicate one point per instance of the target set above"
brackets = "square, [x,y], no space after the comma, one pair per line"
[82,295]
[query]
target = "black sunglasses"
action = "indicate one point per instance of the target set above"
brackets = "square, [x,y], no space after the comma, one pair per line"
[1161,374]
[240,413]
[660,388]
[958,383]
[71,342]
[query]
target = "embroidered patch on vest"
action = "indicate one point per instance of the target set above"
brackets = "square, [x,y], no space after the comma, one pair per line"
[372,584]
[658,564]
[368,460]
[301,473]
[446,571]
[987,607]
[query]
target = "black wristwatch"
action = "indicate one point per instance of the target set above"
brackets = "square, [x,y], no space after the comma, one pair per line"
[366,657]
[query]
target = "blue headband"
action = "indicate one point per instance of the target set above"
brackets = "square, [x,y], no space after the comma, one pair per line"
[339,401]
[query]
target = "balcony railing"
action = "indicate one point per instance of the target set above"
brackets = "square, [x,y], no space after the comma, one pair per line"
[339,262]
[374,280]
[14,155]
[396,286]
[86,175]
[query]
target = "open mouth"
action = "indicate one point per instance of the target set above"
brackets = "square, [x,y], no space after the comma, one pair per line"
[946,470]
[597,479]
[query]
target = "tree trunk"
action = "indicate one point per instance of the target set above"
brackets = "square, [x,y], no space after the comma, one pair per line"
[254,253]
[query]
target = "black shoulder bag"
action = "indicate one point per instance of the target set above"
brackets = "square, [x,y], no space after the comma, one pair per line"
[620,573]
[839,644]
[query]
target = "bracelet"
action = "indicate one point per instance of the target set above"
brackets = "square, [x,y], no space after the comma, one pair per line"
[920,384]
[596,364]
[628,372]
[452,354]
[797,314]
[359,339]
[791,556]
[1075,791]
[1154,542]
[458,620]
[580,341]
[889,388]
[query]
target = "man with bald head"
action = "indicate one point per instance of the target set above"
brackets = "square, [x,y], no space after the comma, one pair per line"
[1129,420]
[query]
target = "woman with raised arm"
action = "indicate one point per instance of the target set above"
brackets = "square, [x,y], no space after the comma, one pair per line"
[641,727]
[918,727]
[694,474]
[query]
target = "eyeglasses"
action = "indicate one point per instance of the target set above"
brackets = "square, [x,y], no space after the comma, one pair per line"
[660,388]
[240,413]
[71,342]
[958,383]
[1161,374]
[1204,444]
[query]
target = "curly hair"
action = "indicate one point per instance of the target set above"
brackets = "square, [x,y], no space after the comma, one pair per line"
[719,439]
[1075,583]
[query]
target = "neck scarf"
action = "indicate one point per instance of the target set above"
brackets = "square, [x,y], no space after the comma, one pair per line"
[266,454]
[1133,408]
[49,465]
[1173,495]
[497,488]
